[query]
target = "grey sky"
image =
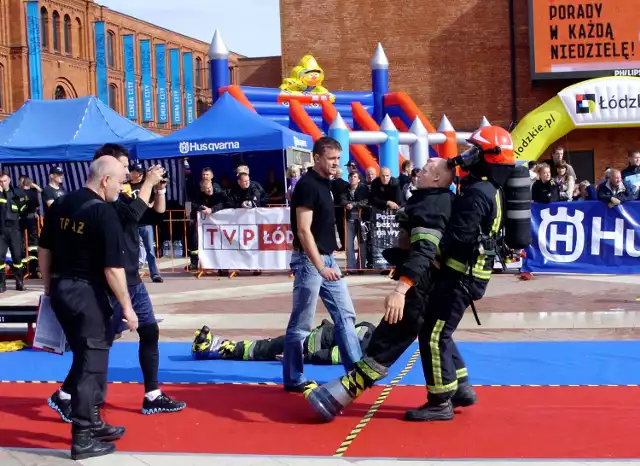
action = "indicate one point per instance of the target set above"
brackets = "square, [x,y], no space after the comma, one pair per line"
[248,27]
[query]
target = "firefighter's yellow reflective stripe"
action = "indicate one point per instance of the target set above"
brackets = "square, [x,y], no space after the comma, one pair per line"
[32,248]
[335,355]
[426,231]
[3,201]
[3,265]
[23,207]
[426,237]
[460,373]
[498,220]
[436,366]
[248,350]
[477,271]
[14,208]
[194,253]
[368,371]
[314,341]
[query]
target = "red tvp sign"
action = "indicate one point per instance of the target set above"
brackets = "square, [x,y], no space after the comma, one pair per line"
[262,237]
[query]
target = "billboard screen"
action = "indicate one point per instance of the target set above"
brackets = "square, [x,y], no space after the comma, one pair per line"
[582,39]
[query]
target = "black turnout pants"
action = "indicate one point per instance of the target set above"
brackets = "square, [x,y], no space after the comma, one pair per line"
[85,316]
[10,240]
[432,315]
[259,350]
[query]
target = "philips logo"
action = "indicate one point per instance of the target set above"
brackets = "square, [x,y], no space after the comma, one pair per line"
[562,238]
[187,147]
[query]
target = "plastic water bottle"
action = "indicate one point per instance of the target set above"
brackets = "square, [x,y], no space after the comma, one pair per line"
[166,249]
[177,249]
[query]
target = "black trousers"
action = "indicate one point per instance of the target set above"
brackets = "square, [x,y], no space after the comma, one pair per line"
[85,316]
[432,314]
[10,240]
[30,226]
[259,350]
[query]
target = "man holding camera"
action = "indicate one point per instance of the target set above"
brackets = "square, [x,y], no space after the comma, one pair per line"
[145,225]
[130,210]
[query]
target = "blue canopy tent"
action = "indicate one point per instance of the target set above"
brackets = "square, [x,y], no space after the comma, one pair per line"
[46,133]
[227,135]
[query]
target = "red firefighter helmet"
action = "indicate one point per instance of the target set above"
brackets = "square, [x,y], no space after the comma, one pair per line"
[496,145]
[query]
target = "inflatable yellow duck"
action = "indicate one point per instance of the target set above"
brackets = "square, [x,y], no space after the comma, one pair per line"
[306,78]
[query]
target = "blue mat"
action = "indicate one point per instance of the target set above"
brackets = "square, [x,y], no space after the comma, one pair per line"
[526,363]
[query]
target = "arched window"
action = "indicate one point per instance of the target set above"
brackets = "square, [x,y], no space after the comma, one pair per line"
[67,35]
[79,37]
[44,28]
[56,31]
[113,96]
[111,60]
[1,88]
[60,93]
[199,71]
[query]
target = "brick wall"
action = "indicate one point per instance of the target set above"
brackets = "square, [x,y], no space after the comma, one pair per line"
[73,67]
[263,71]
[451,57]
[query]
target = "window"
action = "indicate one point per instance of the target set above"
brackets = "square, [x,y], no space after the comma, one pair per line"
[199,71]
[110,49]
[60,93]
[113,96]
[67,35]
[201,108]
[44,28]
[1,89]
[56,31]
[79,36]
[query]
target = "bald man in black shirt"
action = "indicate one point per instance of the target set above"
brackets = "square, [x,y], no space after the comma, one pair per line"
[81,255]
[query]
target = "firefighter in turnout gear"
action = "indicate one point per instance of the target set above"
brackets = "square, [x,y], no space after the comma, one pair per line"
[320,347]
[467,253]
[13,204]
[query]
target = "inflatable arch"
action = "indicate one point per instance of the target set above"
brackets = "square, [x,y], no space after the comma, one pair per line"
[611,102]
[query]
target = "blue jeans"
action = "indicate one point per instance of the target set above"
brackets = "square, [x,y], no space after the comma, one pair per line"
[141,303]
[146,234]
[308,285]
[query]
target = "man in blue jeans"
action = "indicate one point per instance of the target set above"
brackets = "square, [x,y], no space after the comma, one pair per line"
[315,270]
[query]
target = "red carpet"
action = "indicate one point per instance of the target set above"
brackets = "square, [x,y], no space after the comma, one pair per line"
[225,419]
[511,422]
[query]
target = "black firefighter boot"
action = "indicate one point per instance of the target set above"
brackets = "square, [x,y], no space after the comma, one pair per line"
[464,396]
[435,409]
[84,445]
[18,274]
[103,431]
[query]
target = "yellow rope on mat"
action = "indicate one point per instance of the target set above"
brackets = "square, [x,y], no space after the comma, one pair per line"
[7,346]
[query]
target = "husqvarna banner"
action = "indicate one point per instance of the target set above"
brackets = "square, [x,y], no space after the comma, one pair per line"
[584,237]
[245,239]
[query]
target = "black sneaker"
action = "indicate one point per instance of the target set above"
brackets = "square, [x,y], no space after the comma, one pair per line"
[162,404]
[62,407]
[302,387]
[157,279]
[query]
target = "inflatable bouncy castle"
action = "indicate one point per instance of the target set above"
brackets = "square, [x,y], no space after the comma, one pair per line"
[377,122]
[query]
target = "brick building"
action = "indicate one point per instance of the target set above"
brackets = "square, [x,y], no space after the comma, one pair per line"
[451,57]
[69,56]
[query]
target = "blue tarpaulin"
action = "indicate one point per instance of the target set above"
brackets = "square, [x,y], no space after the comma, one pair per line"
[227,127]
[44,131]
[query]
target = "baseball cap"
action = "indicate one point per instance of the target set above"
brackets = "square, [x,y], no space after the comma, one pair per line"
[56,171]
[136,167]
[350,163]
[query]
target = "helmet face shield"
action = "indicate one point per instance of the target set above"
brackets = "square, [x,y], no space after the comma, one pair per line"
[467,159]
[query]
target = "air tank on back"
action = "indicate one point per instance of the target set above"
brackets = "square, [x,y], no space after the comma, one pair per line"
[518,209]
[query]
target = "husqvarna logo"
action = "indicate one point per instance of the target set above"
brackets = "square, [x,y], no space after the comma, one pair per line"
[563,239]
[571,234]
[187,147]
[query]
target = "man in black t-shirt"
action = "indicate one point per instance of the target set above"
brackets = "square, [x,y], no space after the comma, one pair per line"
[129,212]
[145,225]
[82,262]
[315,269]
[54,190]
